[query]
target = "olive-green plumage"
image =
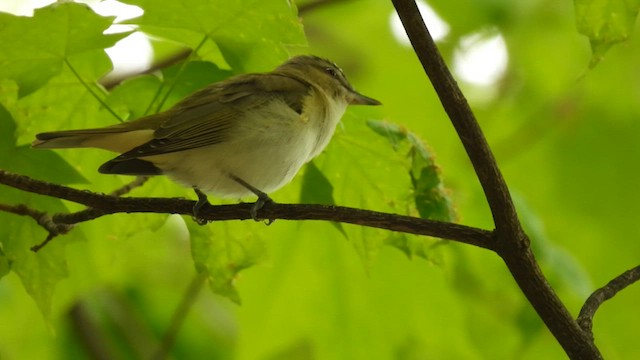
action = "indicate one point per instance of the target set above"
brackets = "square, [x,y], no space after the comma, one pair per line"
[260,128]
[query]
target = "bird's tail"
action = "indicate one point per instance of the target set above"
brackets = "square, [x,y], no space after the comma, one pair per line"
[109,138]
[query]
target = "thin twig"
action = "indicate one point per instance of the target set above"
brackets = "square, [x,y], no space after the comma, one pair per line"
[511,243]
[112,80]
[91,91]
[42,218]
[55,224]
[588,311]
[174,81]
[101,205]
[126,188]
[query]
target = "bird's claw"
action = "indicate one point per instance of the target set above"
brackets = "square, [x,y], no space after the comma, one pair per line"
[202,201]
[259,204]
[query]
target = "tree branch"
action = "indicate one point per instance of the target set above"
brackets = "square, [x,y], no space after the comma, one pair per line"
[52,223]
[42,218]
[512,244]
[588,311]
[457,108]
[101,205]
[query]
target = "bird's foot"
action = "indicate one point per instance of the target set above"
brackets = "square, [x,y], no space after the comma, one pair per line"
[263,198]
[202,201]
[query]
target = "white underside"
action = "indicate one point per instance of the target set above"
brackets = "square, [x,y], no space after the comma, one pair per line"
[266,153]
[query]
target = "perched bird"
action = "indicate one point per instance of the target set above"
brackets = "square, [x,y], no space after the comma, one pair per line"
[249,134]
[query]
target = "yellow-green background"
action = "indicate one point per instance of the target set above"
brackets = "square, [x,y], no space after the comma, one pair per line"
[565,136]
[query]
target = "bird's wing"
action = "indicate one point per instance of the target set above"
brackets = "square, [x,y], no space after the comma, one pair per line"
[208,116]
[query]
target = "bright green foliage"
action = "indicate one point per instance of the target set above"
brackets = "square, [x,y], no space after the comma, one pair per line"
[431,198]
[568,150]
[35,48]
[606,23]
[46,88]
[317,189]
[249,35]
[39,272]
[221,252]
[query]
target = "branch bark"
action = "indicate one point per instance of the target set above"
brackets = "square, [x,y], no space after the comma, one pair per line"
[620,282]
[101,205]
[512,244]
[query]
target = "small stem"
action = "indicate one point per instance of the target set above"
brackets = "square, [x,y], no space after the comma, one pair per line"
[91,91]
[59,224]
[620,282]
[175,80]
[126,188]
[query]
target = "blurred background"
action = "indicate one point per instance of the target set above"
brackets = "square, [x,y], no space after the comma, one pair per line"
[565,136]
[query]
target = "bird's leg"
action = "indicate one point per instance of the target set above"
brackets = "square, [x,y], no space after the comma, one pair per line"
[263,198]
[202,201]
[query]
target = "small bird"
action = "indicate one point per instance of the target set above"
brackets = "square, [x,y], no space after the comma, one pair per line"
[249,134]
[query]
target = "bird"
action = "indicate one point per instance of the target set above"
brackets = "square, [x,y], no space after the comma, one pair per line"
[247,135]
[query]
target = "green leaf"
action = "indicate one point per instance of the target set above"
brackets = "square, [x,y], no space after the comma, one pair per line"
[134,96]
[7,130]
[63,102]
[185,79]
[248,34]
[5,263]
[606,23]
[431,198]
[221,251]
[30,162]
[34,48]
[412,245]
[563,270]
[39,272]
[317,189]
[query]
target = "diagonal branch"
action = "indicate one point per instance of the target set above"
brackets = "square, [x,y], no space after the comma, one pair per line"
[511,243]
[588,311]
[101,205]
[457,108]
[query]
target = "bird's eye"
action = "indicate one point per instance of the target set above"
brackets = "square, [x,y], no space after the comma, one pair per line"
[332,71]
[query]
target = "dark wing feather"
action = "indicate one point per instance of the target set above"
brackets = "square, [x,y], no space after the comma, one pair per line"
[208,116]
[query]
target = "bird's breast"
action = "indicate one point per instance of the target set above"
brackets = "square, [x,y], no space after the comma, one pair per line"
[324,118]
[266,149]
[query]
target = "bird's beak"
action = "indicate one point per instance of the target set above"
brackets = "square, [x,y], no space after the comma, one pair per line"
[355,98]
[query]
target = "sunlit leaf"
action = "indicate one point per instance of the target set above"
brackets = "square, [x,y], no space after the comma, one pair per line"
[39,272]
[606,23]
[249,34]
[221,253]
[63,102]
[567,147]
[431,197]
[34,49]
